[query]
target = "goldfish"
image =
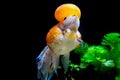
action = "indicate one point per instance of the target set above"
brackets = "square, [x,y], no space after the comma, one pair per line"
[61,39]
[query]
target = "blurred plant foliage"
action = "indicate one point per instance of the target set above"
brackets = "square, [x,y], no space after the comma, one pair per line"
[104,56]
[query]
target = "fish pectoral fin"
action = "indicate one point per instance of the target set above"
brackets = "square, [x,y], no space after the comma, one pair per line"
[65,61]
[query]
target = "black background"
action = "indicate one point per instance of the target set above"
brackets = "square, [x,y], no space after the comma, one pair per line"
[98,17]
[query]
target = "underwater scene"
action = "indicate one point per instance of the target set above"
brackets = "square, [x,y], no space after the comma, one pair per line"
[80,41]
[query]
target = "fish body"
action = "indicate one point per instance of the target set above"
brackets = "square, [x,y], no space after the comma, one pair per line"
[61,40]
[63,37]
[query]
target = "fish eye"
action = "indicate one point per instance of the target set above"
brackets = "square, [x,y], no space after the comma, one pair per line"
[64,18]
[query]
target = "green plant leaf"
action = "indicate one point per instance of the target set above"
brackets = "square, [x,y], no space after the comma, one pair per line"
[111,39]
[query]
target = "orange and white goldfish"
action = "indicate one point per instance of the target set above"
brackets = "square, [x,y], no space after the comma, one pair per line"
[61,40]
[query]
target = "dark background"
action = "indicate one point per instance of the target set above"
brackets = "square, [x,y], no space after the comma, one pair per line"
[98,17]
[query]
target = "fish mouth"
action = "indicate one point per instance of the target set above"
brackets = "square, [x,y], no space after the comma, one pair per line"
[71,20]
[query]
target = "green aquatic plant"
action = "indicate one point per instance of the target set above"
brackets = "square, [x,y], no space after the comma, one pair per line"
[112,40]
[81,50]
[117,78]
[103,57]
[95,55]
[74,67]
